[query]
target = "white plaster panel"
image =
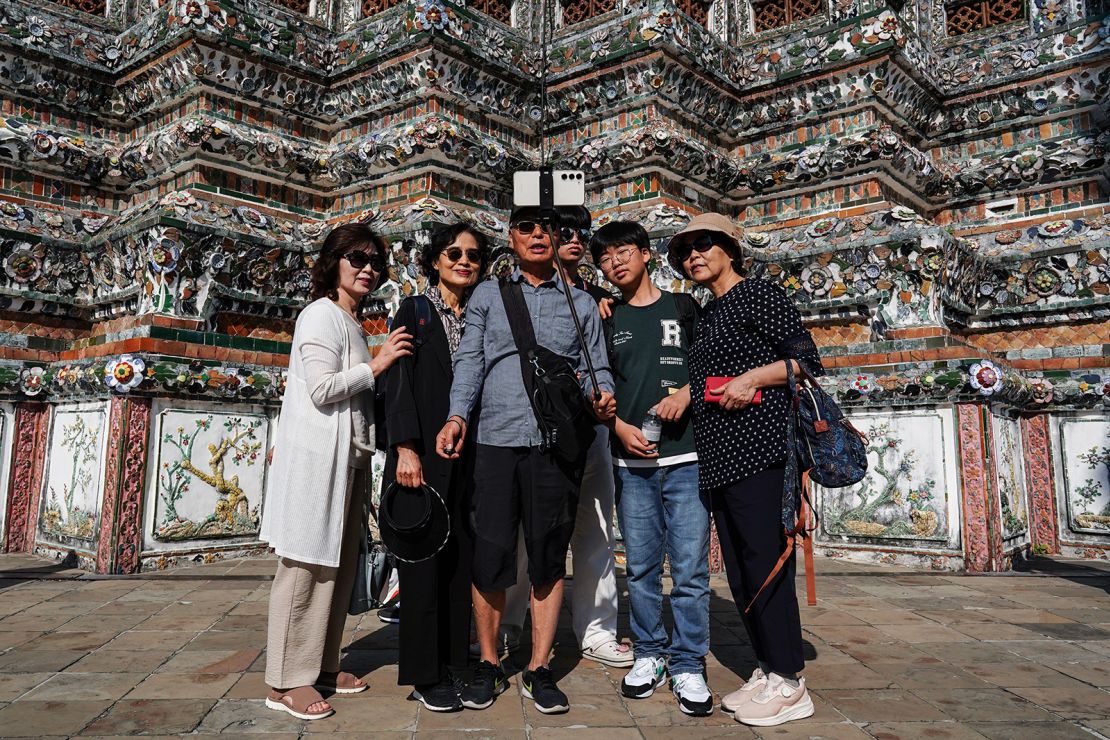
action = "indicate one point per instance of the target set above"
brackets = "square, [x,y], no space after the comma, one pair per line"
[1083,473]
[207,477]
[73,489]
[910,495]
[1013,514]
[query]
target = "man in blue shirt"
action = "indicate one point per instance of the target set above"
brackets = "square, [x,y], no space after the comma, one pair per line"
[516,484]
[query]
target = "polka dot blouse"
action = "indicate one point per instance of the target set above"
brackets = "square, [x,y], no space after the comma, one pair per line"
[752,325]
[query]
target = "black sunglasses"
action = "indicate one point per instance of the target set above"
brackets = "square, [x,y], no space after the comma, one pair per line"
[359,260]
[702,243]
[527,227]
[455,254]
[566,233]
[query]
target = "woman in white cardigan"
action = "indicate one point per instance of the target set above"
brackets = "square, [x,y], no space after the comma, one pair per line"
[318,481]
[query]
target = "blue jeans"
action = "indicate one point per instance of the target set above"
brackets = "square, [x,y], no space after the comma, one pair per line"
[661,511]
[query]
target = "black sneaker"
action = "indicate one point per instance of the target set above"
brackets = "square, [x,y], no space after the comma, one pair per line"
[390,614]
[488,681]
[438,697]
[539,686]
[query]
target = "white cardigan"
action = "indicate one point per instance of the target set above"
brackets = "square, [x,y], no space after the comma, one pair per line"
[304,509]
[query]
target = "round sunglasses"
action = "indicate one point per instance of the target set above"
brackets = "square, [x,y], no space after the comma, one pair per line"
[701,244]
[454,254]
[566,233]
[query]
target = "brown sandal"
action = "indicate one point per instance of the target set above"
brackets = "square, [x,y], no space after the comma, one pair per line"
[297,701]
[341,682]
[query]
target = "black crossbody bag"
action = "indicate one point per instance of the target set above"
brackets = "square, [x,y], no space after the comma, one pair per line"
[552,387]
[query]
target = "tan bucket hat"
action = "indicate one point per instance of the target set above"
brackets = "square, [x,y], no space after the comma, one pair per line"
[710,222]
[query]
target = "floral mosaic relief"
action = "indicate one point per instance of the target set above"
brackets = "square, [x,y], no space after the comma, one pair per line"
[71,502]
[903,496]
[210,476]
[1011,479]
[1086,460]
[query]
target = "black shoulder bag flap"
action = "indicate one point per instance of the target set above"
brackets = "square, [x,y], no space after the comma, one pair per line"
[552,386]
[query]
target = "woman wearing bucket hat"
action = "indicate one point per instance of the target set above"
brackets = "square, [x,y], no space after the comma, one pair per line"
[748,329]
[316,488]
[424,513]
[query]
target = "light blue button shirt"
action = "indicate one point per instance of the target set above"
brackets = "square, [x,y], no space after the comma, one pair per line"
[487,363]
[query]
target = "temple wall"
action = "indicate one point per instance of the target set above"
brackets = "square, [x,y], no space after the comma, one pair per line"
[934,199]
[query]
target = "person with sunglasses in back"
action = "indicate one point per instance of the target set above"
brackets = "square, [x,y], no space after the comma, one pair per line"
[746,333]
[435,624]
[317,485]
[517,481]
[593,591]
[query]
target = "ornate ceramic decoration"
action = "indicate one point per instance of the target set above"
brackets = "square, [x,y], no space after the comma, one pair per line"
[1010,475]
[70,508]
[1085,456]
[906,495]
[210,477]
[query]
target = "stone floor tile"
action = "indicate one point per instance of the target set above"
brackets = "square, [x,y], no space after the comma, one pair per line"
[823,731]
[120,661]
[1030,730]
[938,675]
[15,685]
[844,676]
[1077,702]
[829,617]
[661,710]
[242,622]
[839,636]
[882,705]
[922,731]
[507,734]
[250,717]
[210,661]
[997,631]
[94,622]
[1026,616]
[251,608]
[170,619]
[506,714]
[84,641]
[383,714]
[585,733]
[930,632]
[1020,674]
[1096,674]
[151,640]
[957,616]
[38,661]
[249,686]
[39,718]
[889,652]
[122,607]
[186,686]
[13,638]
[85,687]
[735,730]
[968,653]
[1068,631]
[1043,651]
[876,617]
[969,705]
[151,717]
[228,640]
[592,711]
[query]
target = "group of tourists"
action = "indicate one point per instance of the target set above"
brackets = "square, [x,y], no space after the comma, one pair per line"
[688,410]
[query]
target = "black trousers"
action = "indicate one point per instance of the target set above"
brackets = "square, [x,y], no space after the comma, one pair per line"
[748,516]
[435,604]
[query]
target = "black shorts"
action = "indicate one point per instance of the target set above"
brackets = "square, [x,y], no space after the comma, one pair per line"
[514,488]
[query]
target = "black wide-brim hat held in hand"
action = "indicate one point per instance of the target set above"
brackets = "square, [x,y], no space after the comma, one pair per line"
[414,522]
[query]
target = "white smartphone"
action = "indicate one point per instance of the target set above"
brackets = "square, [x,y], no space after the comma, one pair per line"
[569,188]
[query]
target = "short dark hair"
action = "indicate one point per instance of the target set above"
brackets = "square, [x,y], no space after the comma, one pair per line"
[574,217]
[731,248]
[340,240]
[617,234]
[442,237]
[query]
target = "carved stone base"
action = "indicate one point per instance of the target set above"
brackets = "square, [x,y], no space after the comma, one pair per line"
[28,459]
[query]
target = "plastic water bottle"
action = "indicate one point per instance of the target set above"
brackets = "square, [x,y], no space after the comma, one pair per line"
[652,428]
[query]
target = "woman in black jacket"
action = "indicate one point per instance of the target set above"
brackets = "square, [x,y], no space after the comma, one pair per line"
[435,622]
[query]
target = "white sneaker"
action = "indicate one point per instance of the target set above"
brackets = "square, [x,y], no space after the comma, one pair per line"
[693,695]
[646,676]
[733,701]
[611,653]
[776,703]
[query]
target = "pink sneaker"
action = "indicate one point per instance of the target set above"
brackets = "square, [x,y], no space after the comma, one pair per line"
[776,703]
[733,701]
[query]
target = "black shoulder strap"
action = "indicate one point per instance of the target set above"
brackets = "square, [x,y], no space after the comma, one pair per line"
[687,311]
[520,321]
[423,318]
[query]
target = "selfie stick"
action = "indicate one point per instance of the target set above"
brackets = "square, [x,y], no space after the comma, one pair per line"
[548,219]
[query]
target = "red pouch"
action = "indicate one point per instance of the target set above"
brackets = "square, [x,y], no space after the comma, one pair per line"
[712,384]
